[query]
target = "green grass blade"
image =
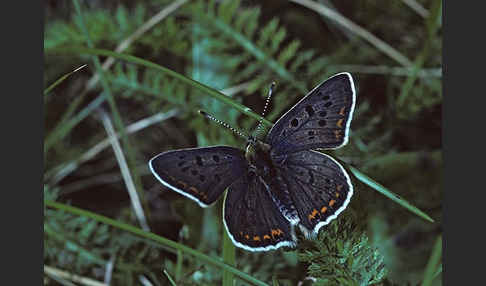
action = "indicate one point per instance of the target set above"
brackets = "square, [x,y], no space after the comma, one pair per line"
[127,147]
[63,129]
[258,53]
[432,25]
[433,263]
[228,257]
[387,193]
[275,280]
[171,281]
[149,235]
[356,29]
[439,270]
[178,269]
[61,79]
[132,59]
[417,7]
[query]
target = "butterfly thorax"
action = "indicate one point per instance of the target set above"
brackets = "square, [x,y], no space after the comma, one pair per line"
[258,155]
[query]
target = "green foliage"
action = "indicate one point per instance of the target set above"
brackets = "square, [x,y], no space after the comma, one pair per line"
[343,255]
[104,26]
[260,56]
[281,266]
[85,246]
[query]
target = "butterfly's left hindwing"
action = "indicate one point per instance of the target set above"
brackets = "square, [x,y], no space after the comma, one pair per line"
[201,174]
[319,121]
[318,188]
[251,218]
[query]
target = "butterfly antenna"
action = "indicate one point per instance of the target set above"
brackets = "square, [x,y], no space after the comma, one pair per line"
[236,131]
[267,102]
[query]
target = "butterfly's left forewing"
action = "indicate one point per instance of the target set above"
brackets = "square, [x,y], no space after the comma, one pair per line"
[201,174]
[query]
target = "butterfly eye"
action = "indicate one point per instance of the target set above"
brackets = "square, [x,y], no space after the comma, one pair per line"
[294,122]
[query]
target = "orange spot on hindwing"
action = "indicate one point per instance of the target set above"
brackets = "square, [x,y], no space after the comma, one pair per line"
[276,232]
[181,184]
[256,238]
[323,209]
[266,236]
[331,203]
[313,214]
[340,123]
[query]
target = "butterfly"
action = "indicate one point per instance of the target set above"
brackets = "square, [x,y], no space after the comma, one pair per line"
[279,182]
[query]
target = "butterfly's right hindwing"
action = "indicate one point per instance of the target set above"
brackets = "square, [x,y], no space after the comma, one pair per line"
[318,187]
[201,174]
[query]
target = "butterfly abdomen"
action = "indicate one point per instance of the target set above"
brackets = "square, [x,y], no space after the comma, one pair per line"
[281,197]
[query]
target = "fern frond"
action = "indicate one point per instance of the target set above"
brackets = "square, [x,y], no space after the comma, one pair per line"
[343,255]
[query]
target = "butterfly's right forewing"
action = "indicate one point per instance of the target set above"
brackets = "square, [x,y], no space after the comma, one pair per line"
[319,121]
[201,174]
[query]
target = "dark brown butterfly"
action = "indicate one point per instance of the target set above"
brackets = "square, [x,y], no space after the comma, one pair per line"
[279,182]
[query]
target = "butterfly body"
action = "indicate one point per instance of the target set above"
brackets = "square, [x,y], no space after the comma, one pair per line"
[279,182]
[258,156]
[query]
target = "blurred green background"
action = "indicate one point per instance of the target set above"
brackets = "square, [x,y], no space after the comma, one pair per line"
[393,49]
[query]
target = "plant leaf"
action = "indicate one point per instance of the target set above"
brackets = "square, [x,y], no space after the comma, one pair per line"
[150,235]
[387,193]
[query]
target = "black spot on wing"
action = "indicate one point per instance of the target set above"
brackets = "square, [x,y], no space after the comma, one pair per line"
[196,171]
[326,111]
